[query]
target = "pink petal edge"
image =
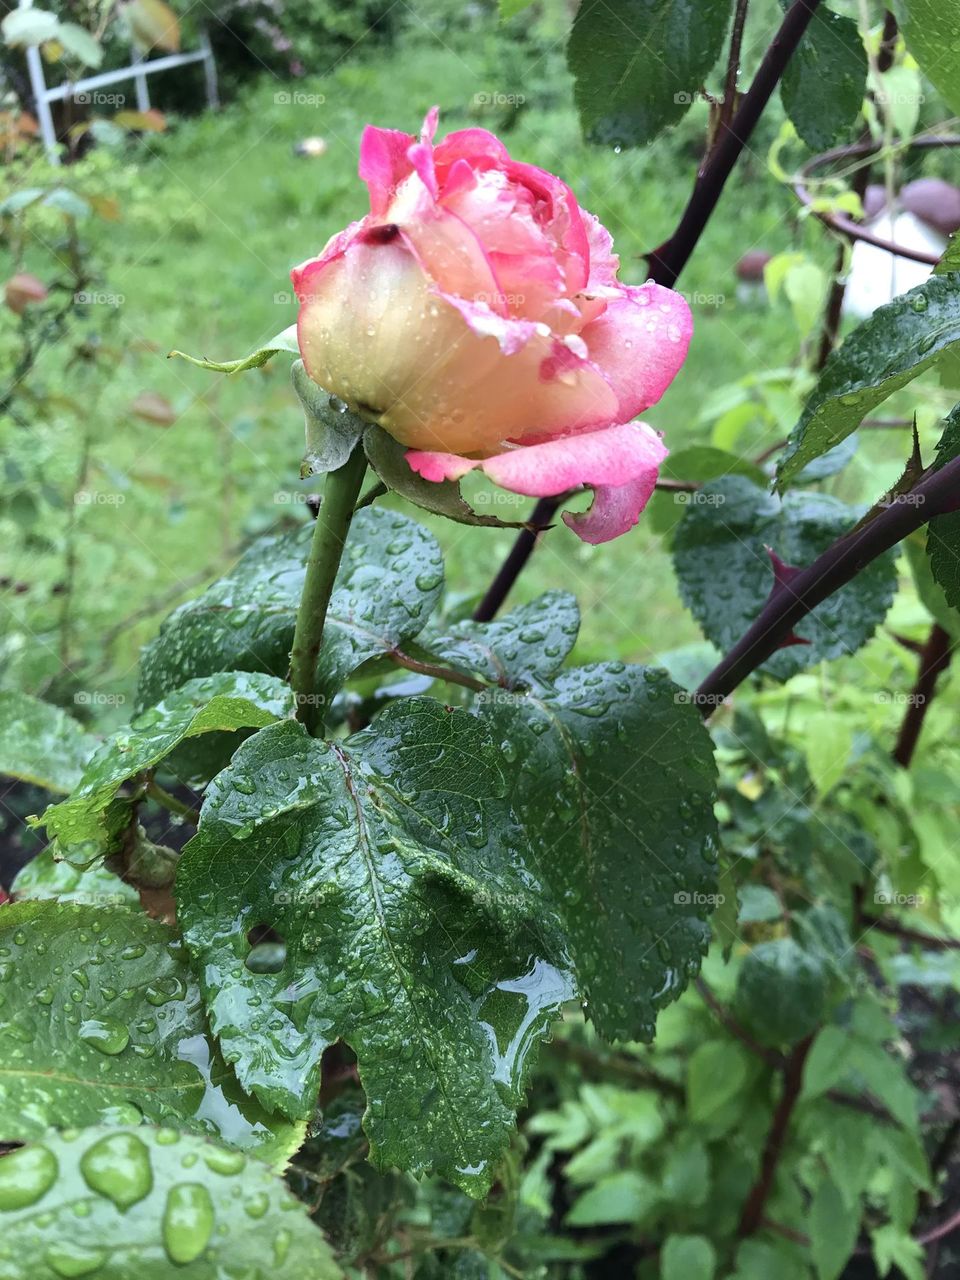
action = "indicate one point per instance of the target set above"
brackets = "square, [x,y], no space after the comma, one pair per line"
[620,462]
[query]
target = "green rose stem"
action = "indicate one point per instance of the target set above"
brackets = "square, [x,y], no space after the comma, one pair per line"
[326,550]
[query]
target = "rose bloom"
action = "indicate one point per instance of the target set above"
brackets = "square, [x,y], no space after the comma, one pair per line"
[476,315]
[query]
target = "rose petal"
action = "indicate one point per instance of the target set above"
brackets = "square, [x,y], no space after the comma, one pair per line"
[615,510]
[420,154]
[383,164]
[640,341]
[612,456]
[431,378]
[621,462]
[438,466]
[512,334]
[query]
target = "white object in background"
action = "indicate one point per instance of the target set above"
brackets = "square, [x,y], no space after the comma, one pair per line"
[876,276]
[43,96]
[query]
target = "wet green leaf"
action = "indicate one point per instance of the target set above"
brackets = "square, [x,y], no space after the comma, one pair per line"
[285,341]
[717,1072]
[388,584]
[102,1023]
[781,992]
[611,774]
[150,1203]
[526,646]
[40,743]
[90,822]
[639,65]
[897,343]
[726,574]
[929,592]
[951,257]
[825,81]
[931,30]
[688,1258]
[393,871]
[833,1230]
[45,877]
[695,465]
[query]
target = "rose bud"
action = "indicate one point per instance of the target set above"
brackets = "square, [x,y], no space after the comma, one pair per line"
[476,315]
[22,289]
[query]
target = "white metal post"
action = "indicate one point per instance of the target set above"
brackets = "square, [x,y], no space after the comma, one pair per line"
[138,72]
[143,94]
[42,99]
[209,70]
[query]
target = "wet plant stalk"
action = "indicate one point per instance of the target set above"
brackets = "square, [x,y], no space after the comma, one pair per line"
[326,550]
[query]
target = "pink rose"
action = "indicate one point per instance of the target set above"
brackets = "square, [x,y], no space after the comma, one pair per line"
[476,315]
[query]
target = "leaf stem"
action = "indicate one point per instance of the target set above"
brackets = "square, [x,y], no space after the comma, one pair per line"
[168,801]
[326,550]
[437,672]
[373,493]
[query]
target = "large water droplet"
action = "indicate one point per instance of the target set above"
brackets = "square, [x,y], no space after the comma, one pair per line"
[70,1260]
[187,1221]
[106,1034]
[257,1205]
[26,1175]
[220,1160]
[118,1167]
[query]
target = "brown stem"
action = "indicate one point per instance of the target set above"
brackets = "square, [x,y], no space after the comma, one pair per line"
[668,261]
[790,602]
[739,1032]
[914,646]
[788,1233]
[888,42]
[437,672]
[521,551]
[733,64]
[944,1229]
[776,1139]
[859,1102]
[868,424]
[934,659]
[883,925]
[591,1060]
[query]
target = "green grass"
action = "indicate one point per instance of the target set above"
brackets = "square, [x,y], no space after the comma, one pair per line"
[217,211]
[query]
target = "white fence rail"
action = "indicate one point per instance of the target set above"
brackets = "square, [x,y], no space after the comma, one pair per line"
[138,73]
